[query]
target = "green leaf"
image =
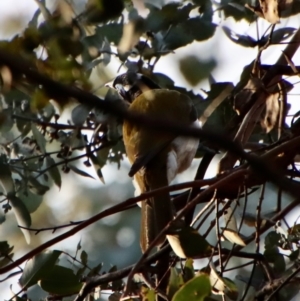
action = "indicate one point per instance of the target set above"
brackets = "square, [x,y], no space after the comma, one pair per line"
[6,260]
[194,70]
[40,139]
[84,257]
[231,290]
[223,285]
[60,281]
[194,290]
[169,15]
[95,270]
[37,267]
[148,294]
[22,215]
[6,122]
[79,171]
[175,282]
[236,10]
[97,165]
[5,249]
[279,35]
[112,32]
[242,40]
[6,180]
[31,200]
[39,100]
[186,242]
[79,114]
[188,270]
[98,11]
[53,171]
[36,187]
[188,31]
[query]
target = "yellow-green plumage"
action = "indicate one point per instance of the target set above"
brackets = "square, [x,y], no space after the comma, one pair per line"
[149,152]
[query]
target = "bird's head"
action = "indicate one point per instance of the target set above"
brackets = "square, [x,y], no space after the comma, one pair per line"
[130,85]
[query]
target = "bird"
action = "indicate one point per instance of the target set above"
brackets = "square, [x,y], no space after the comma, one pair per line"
[156,157]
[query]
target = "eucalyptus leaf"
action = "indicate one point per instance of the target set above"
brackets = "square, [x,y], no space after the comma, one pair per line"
[5,248]
[243,40]
[194,290]
[79,171]
[40,139]
[188,270]
[79,114]
[175,282]
[170,14]
[60,281]
[31,200]
[84,257]
[223,285]
[6,122]
[98,165]
[6,180]
[280,35]
[36,187]
[22,215]
[148,294]
[53,171]
[186,242]
[37,267]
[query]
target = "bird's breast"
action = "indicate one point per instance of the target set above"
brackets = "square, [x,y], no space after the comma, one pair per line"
[183,150]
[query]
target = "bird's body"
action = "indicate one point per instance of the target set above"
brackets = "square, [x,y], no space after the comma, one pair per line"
[157,156]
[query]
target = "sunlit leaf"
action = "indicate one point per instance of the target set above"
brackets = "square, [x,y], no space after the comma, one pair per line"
[188,270]
[272,112]
[147,294]
[194,290]
[186,242]
[131,35]
[223,285]
[270,11]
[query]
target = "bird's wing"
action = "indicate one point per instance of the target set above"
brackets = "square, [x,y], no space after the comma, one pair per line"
[142,160]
